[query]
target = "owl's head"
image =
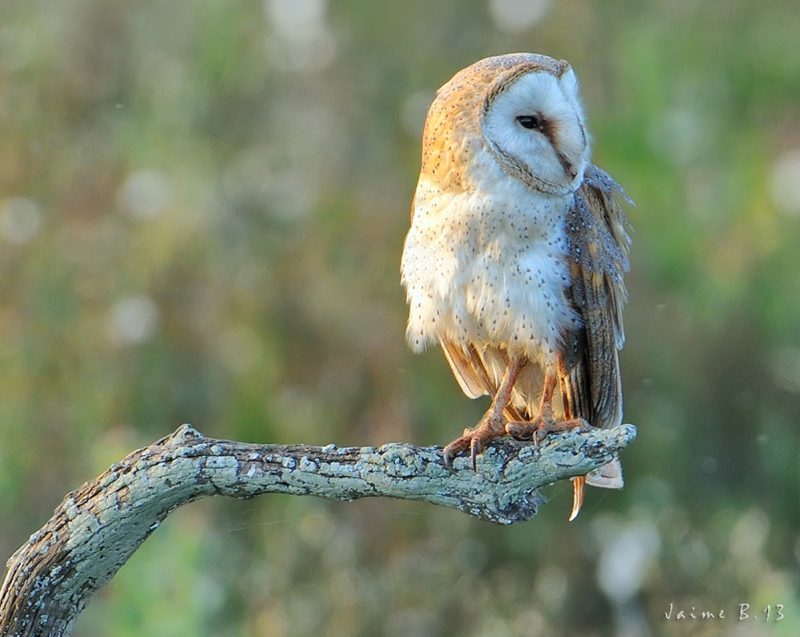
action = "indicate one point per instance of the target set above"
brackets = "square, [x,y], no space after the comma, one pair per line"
[524,110]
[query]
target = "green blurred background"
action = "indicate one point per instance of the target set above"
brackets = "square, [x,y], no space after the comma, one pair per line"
[202,209]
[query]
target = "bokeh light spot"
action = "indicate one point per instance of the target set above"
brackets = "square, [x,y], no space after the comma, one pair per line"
[515,16]
[145,194]
[132,320]
[20,220]
[784,186]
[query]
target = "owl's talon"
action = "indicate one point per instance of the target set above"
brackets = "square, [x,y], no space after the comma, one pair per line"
[474,450]
[450,452]
[518,430]
[474,440]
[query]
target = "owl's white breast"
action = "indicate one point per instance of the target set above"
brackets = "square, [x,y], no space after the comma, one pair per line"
[488,267]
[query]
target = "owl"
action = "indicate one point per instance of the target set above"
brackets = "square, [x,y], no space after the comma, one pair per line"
[515,256]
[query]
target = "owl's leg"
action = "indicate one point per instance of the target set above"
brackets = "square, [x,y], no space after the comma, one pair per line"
[493,423]
[545,422]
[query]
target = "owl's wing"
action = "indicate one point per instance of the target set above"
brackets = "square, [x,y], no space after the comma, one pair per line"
[468,369]
[598,257]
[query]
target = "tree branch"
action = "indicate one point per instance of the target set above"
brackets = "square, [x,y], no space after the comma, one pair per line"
[97,528]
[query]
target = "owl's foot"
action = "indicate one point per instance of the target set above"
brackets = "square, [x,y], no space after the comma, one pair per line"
[493,423]
[544,424]
[475,439]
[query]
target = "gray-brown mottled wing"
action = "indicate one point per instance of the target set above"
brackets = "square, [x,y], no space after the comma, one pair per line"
[598,257]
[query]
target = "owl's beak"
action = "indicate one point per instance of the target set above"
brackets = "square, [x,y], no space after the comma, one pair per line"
[569,168]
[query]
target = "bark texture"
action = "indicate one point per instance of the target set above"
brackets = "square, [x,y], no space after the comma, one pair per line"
[97,528]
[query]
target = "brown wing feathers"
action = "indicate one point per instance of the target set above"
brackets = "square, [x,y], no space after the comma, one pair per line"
[599,243]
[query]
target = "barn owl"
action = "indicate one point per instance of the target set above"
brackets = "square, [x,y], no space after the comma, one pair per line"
[514,260]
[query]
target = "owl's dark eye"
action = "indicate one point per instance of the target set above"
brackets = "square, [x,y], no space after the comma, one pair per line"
[532,122]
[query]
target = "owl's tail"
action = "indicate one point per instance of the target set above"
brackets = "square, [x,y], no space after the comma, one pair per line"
[581,401]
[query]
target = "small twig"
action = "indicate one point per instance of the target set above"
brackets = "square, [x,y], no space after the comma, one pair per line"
[97,528]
